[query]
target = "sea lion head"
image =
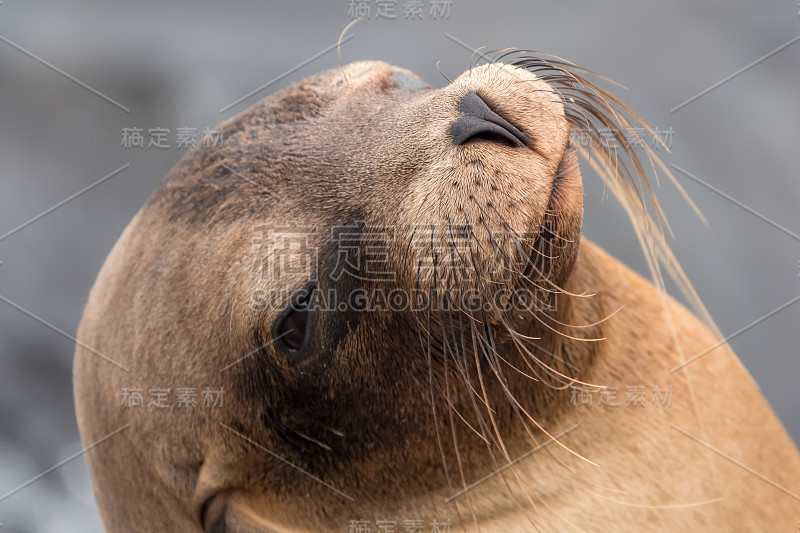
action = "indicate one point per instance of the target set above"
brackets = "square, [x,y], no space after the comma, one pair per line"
[360,266]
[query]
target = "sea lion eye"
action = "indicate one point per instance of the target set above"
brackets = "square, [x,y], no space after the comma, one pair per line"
[292,327]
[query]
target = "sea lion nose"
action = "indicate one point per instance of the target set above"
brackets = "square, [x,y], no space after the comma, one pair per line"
[480,122]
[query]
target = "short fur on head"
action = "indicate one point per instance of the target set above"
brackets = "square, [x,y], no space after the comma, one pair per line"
[451,314]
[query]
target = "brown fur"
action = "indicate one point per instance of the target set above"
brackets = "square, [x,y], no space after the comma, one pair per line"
[398,411]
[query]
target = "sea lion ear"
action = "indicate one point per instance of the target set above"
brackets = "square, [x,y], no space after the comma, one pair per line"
[213,514]
[292,329]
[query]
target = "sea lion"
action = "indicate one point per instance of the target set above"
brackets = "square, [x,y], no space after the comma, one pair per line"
[385,286]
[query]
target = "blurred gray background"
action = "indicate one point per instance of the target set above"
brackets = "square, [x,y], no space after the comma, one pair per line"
[176,64]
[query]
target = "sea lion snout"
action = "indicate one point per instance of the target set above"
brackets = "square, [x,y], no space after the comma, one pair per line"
[509,104]
[481,122]
[498,142]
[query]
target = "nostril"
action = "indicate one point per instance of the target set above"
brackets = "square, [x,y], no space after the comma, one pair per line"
[480,122]
[468,129]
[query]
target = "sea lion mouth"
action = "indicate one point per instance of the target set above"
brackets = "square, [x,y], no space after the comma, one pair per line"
[563,179]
